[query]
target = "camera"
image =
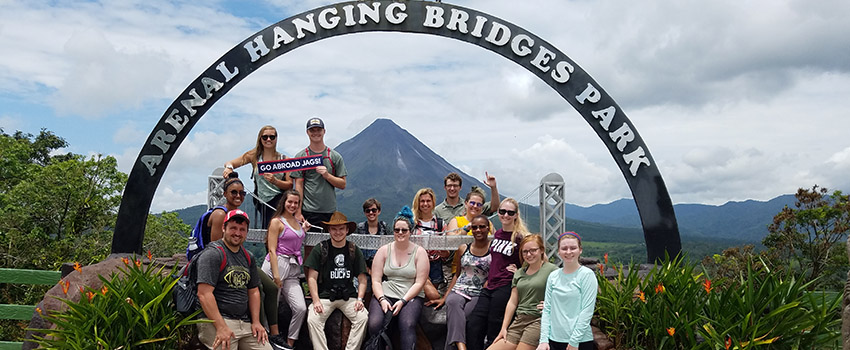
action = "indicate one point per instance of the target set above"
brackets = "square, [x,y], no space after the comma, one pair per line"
[338,293]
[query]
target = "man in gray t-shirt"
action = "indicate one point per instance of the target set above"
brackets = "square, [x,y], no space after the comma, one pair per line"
[227,290]
[318,186]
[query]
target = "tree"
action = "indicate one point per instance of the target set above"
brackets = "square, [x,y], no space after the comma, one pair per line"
[812,235]
[166,234]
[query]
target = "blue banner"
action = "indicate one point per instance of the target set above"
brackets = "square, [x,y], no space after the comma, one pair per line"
[290,164]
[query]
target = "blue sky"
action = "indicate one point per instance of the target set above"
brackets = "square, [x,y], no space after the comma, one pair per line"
[735,100]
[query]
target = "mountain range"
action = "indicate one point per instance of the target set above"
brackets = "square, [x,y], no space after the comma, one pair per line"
[387,162]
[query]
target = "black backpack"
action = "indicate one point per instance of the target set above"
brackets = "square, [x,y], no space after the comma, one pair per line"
[196,240]
[185,292]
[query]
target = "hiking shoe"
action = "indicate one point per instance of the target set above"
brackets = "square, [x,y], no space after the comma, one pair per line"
[278,343]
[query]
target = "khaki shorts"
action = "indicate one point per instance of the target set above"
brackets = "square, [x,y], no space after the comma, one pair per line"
[524,328]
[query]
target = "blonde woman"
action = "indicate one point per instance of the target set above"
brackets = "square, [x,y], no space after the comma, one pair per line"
[269,187]
[486,318]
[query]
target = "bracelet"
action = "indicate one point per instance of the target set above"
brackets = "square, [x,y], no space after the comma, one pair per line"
[403,302]
[360,299]
[229,166]
[383,298]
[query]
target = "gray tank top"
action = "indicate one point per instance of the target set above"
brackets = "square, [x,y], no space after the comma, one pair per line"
[400,279]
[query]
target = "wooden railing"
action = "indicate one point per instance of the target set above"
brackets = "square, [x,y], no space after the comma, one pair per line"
[22,312]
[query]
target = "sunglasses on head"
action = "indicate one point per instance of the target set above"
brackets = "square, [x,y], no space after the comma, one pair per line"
[507,212]
[370,210]
[476,204]
[269,137]
[237,193]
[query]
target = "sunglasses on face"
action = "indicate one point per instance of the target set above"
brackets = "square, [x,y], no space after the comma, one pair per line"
[401,230]
[370,210]
[476,204]
[479,227]
[269,137]
[237,193]
[507,212]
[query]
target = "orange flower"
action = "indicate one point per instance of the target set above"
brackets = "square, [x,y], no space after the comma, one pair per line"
[659,288]
[606,258]
[90,295]
[601,268]
[642,296]
[150,256]
[728,342]
[38,309]
[81,289]
[707,285]
[671,331]
[78,267]
[65,285]
[138,263]
[104,290]
[125,260]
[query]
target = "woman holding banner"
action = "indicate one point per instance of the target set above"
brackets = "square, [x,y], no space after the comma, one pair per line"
[268,187]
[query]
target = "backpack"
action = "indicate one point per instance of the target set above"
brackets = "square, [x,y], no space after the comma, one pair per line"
[185,292]
[439,228]
[381,340]
[196,240]
[324,248]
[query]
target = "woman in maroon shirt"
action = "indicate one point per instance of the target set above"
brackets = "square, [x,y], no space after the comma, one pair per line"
[486,318]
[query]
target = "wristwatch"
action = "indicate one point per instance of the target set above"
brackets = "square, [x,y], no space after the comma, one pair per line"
[360,299]
[229,166]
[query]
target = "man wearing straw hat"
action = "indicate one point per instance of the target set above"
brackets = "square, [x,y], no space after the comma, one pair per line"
[331,267]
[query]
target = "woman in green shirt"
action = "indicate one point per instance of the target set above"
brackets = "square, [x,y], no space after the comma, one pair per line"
[527,290]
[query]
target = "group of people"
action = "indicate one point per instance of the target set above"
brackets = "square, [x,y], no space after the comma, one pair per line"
[500,291]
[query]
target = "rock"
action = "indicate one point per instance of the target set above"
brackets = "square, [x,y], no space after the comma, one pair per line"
[88,277]
[601,339]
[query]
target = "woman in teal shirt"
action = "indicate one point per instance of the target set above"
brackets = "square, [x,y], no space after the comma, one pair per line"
[569,301]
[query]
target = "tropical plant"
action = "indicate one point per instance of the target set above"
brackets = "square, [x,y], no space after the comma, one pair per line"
[133,309]
[675,307]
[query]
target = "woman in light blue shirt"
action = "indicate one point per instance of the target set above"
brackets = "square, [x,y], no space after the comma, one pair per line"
[569,301]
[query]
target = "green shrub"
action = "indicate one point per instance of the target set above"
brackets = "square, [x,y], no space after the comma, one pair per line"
[674,307]
[133,310]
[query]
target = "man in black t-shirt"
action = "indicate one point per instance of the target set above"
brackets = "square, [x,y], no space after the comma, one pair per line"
[331,268]
[227,290]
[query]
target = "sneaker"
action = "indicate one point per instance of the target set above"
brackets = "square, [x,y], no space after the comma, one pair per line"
[278,342]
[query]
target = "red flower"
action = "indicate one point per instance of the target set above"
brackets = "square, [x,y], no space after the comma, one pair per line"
[707,285]
[601,268]
[150,257]
[659,288]
[65,285]
[606,258]
[90,295]
[671,331]
[104,290]
[126,261]
[138,263]
[728,342]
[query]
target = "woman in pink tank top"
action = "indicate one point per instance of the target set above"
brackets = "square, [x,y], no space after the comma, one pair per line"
[283,262]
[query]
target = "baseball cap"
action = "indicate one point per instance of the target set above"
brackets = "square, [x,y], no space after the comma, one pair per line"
[236,213]
[314,123]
